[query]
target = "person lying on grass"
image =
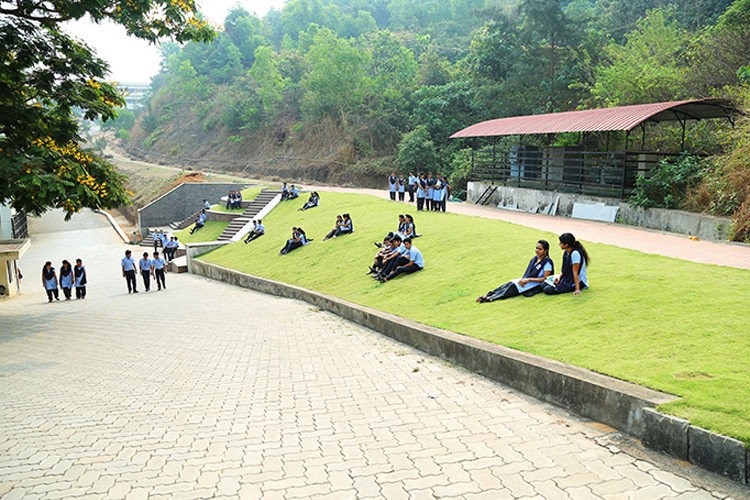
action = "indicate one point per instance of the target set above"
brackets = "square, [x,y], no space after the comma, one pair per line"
[298,239]
[572,277]
[540,266]
[416,262]
[313,201]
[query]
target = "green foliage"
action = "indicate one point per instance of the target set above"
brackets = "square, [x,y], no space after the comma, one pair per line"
[124,119]
[123,134]
[648,68]
[44,75]
[669,184]
[417,153]
[270,84]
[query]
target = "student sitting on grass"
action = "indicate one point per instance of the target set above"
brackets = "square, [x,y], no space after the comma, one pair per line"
[258,230]
[298,239]
[284,192]
[410,230]
[385,250]
[313,201]
[416,263]
[293,192]
[397,257]
[540,266]
[339,221]
[573,275]
[200,222]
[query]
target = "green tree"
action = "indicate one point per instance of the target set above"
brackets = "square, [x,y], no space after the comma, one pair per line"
[336,81]
[650,67]
[44,75]
[268,79]
[417,153]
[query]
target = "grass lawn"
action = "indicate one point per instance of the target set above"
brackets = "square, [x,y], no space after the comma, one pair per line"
[211,230]
[248,194]
[668,324]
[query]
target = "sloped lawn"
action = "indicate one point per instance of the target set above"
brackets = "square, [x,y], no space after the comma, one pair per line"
[668,324]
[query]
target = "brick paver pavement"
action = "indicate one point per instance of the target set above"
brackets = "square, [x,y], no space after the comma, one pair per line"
[210,391]
[644,240]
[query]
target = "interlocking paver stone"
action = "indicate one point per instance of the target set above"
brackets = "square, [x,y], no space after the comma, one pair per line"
[207,390]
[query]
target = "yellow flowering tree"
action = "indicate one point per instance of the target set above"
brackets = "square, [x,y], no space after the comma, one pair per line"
[46,76]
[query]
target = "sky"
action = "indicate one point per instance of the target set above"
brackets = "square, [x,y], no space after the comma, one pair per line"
[135,61]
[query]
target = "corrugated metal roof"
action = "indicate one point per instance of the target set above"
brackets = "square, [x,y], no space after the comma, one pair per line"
[593,120]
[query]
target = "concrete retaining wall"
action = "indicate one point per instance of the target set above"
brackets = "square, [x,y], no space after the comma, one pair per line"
[622,405]
[706,227]
[604,399]
[181,202]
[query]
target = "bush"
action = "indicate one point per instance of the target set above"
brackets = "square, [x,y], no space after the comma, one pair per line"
[669,184]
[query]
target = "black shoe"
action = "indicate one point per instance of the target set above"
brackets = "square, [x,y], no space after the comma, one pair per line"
[381,279]
[377,244]
[135,291]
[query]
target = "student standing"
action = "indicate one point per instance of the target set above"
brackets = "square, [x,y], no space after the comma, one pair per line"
[145,265]
[79,271]
[128,271]
[49,281]
[392,185]
[421,191]
[401,188]
[412,183]
[66,279]
[160,269]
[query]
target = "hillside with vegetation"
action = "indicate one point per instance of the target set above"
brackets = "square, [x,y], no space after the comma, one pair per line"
[347,91]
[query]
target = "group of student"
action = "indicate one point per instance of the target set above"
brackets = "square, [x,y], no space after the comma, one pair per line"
[234,200]
[396,256]
[155,267]
[169,244]
[312,202]
[431,192]
[540,277]
[344,225]
[257,231]
[70,277]
[289,193]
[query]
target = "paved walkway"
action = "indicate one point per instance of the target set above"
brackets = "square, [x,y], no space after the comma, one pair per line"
[644,240]
[210,391]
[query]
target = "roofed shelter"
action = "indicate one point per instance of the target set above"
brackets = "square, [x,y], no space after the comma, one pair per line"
[572,169]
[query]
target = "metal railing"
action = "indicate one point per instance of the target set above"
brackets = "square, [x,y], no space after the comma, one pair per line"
[596,173]
[20,225]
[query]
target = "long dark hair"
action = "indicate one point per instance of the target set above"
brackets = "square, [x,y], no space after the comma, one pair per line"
[571,241]
[545,245]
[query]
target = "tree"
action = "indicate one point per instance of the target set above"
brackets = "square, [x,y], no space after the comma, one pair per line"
[46,75]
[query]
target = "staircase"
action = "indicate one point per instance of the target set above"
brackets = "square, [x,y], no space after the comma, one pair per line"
[254,207]
[187,222]
[486,195]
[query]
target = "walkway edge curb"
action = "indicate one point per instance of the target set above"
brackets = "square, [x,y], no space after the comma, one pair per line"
[115,225]
[605,399]
[625,406]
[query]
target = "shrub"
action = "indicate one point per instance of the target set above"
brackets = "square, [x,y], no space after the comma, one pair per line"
[669,184]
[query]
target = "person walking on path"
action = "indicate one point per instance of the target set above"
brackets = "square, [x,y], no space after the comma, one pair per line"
[49,281]
[145,265]
[79,271]
[66,279]
[160,268]
[128,271]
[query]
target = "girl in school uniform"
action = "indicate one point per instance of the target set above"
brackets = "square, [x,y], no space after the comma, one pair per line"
[401,188]
[79,272]
[421,191]
[430,191]
[66,279]
[392,186]
[573,275]
[334,231]
[49,281]
[540,266]
[298,239]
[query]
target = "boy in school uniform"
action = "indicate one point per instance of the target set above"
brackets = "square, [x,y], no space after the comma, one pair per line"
[145,265]
[160,268]
[128,271]
[412,184]
[416,262]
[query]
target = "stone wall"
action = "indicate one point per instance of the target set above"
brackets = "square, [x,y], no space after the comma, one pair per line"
[706,227]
